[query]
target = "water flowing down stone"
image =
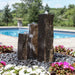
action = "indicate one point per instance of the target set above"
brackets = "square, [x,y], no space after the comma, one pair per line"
[33,35]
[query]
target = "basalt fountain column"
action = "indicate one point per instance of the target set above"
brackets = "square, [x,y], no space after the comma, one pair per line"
[38,44]
[45,37]
[28,43]
[33,41]
[22,46]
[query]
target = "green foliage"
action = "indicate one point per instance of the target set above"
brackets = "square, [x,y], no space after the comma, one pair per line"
[20,9]
[7,17]
[34,8]
[71,6]
[29,10]
[63,10]
[65,17]
[74,19]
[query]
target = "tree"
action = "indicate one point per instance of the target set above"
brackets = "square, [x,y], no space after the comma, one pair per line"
[34,7]
[71,6]
[47,8]
[7,16]
[20,9]
[74,19]
[63,10]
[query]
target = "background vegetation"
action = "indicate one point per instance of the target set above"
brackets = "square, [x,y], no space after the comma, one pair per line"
[29,10]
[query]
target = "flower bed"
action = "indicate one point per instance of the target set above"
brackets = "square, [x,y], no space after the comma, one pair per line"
[6,49]
[65,51]
[23,70]
[56,68]
[62,68]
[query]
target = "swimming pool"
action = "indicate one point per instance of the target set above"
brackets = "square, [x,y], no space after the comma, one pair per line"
[15,31]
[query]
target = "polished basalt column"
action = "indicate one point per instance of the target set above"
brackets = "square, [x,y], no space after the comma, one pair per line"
[45,37]
[22,46]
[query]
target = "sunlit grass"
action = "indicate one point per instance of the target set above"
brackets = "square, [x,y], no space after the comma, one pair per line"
[59,27]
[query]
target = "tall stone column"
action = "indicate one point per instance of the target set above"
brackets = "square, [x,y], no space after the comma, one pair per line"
[22,47]
[45,37]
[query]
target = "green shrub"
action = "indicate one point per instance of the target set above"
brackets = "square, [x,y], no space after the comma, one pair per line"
[25,23]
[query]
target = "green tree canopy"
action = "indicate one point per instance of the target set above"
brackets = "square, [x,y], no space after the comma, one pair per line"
[7,16]
[71,6]
[20,9]
[63,10]
[34,7]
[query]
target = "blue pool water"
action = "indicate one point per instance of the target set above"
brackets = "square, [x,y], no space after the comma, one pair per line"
[15,31]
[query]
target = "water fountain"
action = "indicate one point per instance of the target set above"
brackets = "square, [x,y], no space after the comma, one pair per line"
[38,44]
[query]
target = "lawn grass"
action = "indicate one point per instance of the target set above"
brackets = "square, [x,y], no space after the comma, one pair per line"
[61,27]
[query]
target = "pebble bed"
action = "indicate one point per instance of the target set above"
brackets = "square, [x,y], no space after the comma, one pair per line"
[11,58]
[61,58]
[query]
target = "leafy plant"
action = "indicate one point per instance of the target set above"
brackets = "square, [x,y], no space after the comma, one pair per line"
[73,53]
[73,65]
[5,49]
[61,49]
[61,68]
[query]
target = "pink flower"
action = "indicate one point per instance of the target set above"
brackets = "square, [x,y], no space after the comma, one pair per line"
[59,45]
[57,63]
[11,46]
[4,47]
[56,46]
[7,46]
[53,64]
[66,63]
[65,66]
[62,46]
[60,63]
[2,62]
[0,46]
[72,68]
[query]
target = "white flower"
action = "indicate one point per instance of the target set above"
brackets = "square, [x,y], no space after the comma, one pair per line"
[35,66]
[42,73]
[8,66]
[17,68]
[29,70]
[1,71]
[33,72]
[42,67]
[38,70]
[24,70]
[12,71]
[21,72]
[6,73]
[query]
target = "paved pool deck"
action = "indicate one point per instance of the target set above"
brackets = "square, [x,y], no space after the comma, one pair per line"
[67,42]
